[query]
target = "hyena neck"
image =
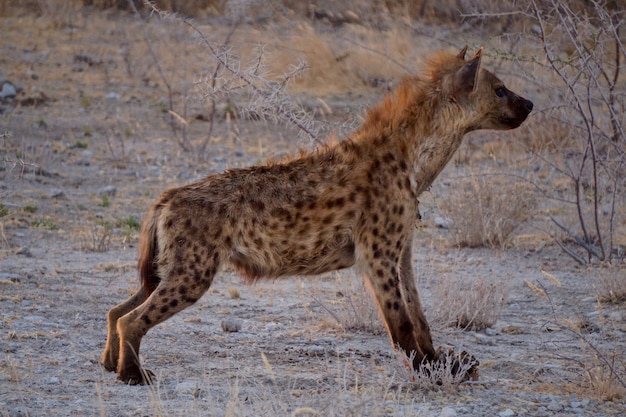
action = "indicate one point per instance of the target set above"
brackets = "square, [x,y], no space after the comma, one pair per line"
[419,126]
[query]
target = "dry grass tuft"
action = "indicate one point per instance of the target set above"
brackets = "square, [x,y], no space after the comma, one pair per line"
[95,238]
[547,132]
[233,293]
[604,383]
[611,284]
[599,365]
[354,307]
[469,304]
[447,373]
[485,210]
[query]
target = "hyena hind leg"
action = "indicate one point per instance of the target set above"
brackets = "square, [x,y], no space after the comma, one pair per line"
[111,353]
[173,294]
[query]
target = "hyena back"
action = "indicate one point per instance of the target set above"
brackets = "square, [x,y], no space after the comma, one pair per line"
[354,203]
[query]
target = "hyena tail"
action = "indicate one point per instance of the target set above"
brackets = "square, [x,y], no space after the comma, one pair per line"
[147,252]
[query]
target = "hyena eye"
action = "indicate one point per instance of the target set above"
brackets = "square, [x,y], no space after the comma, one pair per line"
[500,91]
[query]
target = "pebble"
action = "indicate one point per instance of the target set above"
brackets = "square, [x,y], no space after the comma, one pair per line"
[491,332]
[442,222]
[186,386]
[7,90]
[54,381]
[24,251]
[109,190]
[85,158]
[56,193]
[483,339]
[315,350]
[506,413]
[616,316]
[554,406]
[447,412]
[18,412]
[231,325]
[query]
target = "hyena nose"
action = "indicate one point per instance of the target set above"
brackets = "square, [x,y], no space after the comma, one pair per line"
[529,105]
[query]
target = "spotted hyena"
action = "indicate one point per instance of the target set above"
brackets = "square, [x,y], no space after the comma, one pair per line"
[354,203]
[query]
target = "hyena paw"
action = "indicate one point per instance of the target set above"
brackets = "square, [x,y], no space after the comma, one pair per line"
[462,366]
[108,362]
[137,376]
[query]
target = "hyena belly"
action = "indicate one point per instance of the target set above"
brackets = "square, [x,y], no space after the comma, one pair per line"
[273,229]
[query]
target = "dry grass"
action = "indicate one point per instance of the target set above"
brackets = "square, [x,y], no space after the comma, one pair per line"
[598,366]
[468,303]
[603,381]
[547,133]
[447,373]
[485,210]
[237,392]
[354,308]
[611,283]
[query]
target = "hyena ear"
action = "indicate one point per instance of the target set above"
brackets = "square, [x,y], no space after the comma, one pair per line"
[461,54]
[466,79]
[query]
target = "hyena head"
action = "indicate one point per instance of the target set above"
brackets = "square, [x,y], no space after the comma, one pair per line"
[485,100]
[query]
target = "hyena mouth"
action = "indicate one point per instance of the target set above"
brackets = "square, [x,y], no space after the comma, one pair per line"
[523,110]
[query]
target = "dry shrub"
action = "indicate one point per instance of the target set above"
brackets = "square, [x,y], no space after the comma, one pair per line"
[433,11]
[338,63]
[604,382]
[96,238]
[470,304]
[354,308]
[547,132]
[485,210]
[611,283]
[598,365]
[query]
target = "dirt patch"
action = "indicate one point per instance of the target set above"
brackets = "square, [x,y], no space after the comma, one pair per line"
[79,170]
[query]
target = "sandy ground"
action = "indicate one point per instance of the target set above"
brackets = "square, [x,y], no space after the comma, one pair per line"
[82,167]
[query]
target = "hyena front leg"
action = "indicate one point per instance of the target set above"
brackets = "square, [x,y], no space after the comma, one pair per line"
[111,353]
[462,362]
[411,298]
[383,276]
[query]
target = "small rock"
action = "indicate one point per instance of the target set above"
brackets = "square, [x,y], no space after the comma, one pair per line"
[231,325]
[616,316]
[54,381]
[447,412]
[443,222]
[18,412]
[56,193]
[7,90]
[554,406]
[113,96]
[109,190]
[24,251]
[483,339]
[186,386]
[85,158]
[315,350]
[506,413]
[491,332]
